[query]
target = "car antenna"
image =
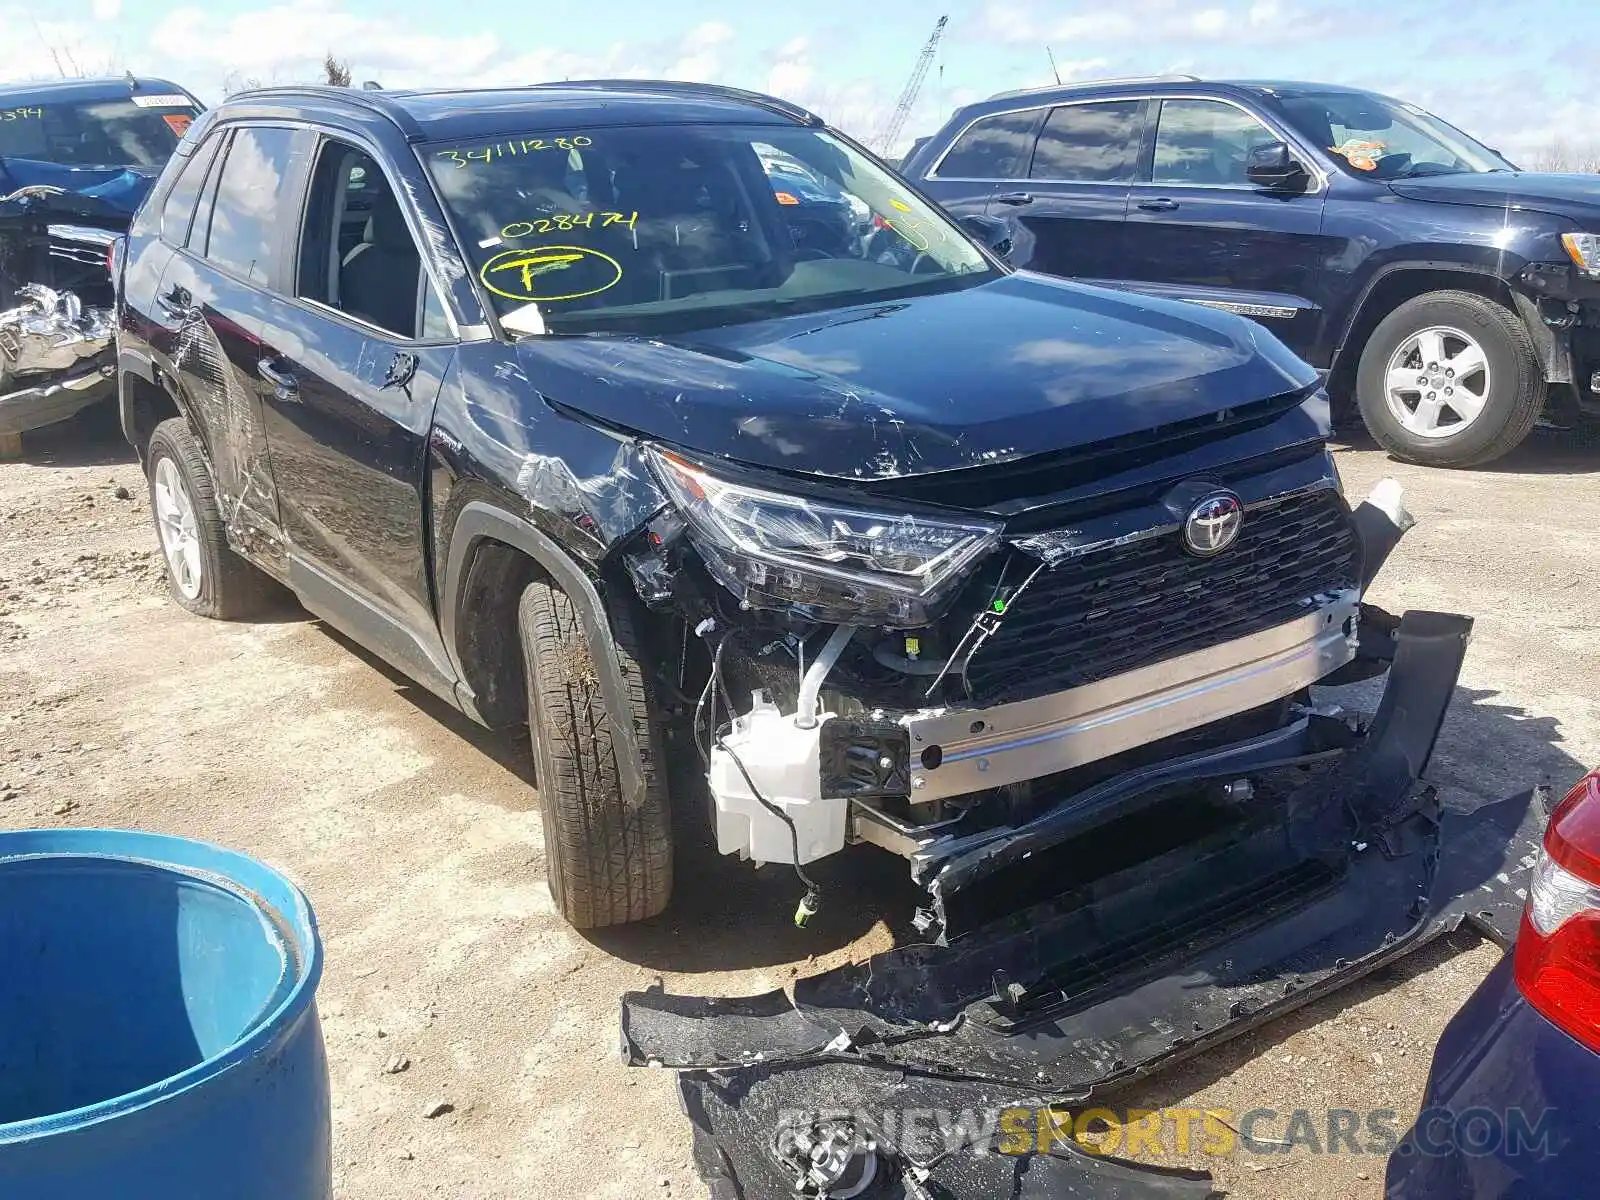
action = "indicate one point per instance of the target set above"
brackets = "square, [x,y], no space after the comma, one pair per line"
[1054,70]
[372,85]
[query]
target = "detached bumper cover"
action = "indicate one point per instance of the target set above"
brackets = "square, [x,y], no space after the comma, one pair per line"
[62,397]
[1052,1004]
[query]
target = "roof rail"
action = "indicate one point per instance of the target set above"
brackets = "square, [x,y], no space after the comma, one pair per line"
[373,101]
[1077,83]
[759,99]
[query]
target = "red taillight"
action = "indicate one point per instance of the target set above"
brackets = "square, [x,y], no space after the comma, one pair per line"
[1557,962]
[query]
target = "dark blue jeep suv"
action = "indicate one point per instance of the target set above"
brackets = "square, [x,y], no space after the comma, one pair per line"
[1450,296]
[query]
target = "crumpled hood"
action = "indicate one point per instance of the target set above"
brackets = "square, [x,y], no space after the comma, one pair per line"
[1575,196]
[1014,367]
[108,191]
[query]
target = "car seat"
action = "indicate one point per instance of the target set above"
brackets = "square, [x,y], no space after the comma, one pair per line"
[378,278]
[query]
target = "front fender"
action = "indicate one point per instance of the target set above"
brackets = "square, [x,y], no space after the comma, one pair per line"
[478,522]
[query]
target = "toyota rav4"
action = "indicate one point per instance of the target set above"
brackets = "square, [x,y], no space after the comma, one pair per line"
[558,399]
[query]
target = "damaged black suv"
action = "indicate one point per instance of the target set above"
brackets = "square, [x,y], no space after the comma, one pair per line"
[591,408]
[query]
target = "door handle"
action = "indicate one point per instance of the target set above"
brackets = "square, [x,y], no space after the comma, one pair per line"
[177,303]
[1014,198]
[1160,205]
[285,386]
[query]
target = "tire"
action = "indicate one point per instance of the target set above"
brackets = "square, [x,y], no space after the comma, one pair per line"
[1439,327]
[608,859]
[228,588]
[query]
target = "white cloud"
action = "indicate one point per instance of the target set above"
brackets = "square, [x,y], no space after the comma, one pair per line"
[40,47]
[105,10]
[1140,22]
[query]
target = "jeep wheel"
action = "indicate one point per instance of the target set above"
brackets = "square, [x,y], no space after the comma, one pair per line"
[1450,379]
[203,574]
[608,856]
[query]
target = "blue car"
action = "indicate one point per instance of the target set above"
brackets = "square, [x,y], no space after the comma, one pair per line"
[1451,297]
[76,159]
[1510,1107]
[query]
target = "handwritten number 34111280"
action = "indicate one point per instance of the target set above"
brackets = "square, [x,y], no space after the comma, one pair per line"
[485,154]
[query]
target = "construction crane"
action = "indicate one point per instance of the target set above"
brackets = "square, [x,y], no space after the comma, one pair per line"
[902,109]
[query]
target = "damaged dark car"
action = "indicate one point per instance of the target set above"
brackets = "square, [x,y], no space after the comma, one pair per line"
[542,396]
[76,159]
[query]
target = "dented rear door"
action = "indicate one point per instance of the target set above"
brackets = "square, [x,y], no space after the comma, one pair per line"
[209,307]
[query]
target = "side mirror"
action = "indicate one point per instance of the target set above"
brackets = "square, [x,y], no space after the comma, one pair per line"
[1273,167]
[991,232]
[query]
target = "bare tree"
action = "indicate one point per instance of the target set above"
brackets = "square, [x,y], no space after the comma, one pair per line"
[1563,156]
[336,70]
[233,83]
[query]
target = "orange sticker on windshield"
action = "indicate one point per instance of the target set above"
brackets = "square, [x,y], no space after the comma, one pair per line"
[1360,153]
[786,198]
[550,273]
[178,122]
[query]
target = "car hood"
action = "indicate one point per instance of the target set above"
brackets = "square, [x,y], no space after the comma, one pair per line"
[1013,367]
[1576,196]
[107,191]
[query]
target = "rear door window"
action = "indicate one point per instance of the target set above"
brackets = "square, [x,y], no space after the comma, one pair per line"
[177,214]
[1090,143]
[246,217]
[992,148]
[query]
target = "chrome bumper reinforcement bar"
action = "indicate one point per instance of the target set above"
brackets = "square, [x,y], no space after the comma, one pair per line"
[956,751]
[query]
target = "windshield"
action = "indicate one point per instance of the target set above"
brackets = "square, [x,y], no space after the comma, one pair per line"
[1376,138]
[655,229]
[138,131]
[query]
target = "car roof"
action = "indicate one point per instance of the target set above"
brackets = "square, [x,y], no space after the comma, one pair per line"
[573,107]
[71,90]
[1156,85]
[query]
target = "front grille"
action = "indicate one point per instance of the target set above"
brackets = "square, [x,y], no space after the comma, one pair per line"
[1111,611]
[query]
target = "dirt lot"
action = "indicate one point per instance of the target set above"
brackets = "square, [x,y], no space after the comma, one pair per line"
[417,837]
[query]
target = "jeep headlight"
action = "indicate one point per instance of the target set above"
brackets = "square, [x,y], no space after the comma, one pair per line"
[841,564]
[1584,250]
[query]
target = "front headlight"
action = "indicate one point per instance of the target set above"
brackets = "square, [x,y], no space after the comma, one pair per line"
[1584,250]
[845,565]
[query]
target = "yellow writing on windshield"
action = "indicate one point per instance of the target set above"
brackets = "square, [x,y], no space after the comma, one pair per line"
[549,273]
[31,113]
[465,156]
[565,221]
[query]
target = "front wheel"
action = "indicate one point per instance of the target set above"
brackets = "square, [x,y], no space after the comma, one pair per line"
[1450,379]
[608,856]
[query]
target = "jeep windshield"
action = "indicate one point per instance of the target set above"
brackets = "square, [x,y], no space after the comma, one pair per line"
[1373,137]
[660,229]
[137,131]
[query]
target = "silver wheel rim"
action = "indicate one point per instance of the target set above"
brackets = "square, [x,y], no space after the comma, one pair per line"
[175,521]
[1437,382]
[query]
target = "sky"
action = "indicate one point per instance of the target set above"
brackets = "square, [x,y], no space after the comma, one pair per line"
[1517,74]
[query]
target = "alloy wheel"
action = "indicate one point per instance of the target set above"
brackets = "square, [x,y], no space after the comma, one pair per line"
[1437,382]
[175,522]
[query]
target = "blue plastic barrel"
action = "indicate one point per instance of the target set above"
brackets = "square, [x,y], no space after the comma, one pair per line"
[159,1037]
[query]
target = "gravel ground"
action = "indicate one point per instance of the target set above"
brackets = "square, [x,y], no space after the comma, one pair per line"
[450,980]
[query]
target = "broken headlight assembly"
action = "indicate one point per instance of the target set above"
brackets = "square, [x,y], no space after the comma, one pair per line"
[837,563]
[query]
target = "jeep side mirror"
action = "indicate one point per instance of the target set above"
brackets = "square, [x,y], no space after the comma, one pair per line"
[1272,166]
[993,233]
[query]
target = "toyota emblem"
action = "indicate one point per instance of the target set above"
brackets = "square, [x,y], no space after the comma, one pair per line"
[1213,524]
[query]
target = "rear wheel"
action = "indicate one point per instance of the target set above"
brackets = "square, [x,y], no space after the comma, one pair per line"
[608,856]
[1450,379]
[203,574]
